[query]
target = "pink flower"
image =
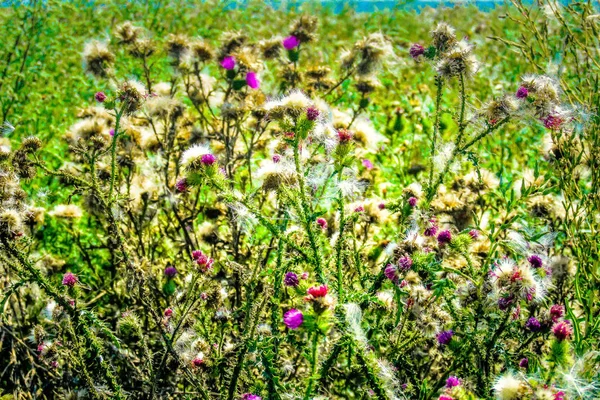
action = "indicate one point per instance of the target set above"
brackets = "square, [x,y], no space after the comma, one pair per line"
[367,164]
[70,279]
[317,291]
[322,223]
[208,159]
[100,97]
[293,319]
[562,330]
[252,80]
[291,42]
[228,63]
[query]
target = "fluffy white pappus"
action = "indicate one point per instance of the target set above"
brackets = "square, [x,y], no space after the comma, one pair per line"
[508,387]
[243,217]
[365,133]
[353,319]
[295,99]
[193,154]
[575,385]
[443,155]
[388,379]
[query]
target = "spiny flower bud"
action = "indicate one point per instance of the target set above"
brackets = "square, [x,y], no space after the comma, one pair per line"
[170,272]
[312,113]
[444,237]
[416,50]
[562,330]
[70,279]
[100,97]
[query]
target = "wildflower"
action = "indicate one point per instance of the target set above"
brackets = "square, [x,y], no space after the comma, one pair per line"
[276,158]
[445,337]
[390,272]
[291,279]
[533,324]
[181,185]
[208,159]
[553,122]
[197,361]
[312,113]
[432,229]
[98,58]
[344,136]
[522,93]
[291,42]
[405,263]
[250,396]
[443,36]
[535,261]
[444,397]
[202,260]
[111,132]
[416,50]
[228,63]
[317,291]
[524,363]
[168,312]
[70,279]
[322,223]
[452,381]
[367,164]
[252,80]
[359,209]
[508,387]
[170,272]
[192,157]
[557,311]
[100,97]
[412,201]
[444,237]
[293,319]
[474,233]
[67,211]
[562,330]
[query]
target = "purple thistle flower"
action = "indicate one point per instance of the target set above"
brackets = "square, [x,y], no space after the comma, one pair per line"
[208,159]
[381,206]
[291,42]
[291,279]
[553,122]
[444,237]
[312,113]
[416,50]
[390,272]
[276,158]
[452,381]
[252,80]
[405,263]
[293,319]
[100,97]
[367,164]
[533,324]
[474,233]
[228,63]
[412,201]
[432,229]
[70,279]
[445,337]
[170,272]
[557,312]
[181,185]
[322,222]
[524,363]
[562,330]
[250,396]
[505,302]
[535,261]
[522,93]
[111,132]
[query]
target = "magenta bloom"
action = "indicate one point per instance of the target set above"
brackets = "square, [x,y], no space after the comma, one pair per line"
[100,97]
[317,291]
[524,363]
[111,132]
[293,319]
[416,50]
[522,93]
[444,397]
[204,262]
[367,164]
[168,312]
[208,159]
[553,122]
[322,223]
[405,263]
[252,80]
[533,324]
[359,209]
[170,272]
[197,362]
[70,279]
[181,185]
[291,279]
[559,395]
[312,113]
[412,201]
[452,381]
[445,337]
[390,272]
[291,42]
[276,158]
[444,237]
[556,312]
[250,396]
[562,330]
[535,261]
[474,233]
[228,63]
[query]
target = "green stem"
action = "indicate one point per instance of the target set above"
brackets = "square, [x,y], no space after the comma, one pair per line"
[313,366]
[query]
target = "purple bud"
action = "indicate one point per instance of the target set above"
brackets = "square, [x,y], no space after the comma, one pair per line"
[535,261]
[250,396]
[444,237]
[228,63]
[291,279]
[276,158]
[522,93]
[111,132]
[381,206]
[474,233]
[562,330]
[452,381]
[524,363]
[312,113]
[252,80]
[405,263]
[208,159]
[412,201]
[181,185]
[445,337]
[70,279]
[170,272]
[367,164]
[390,272]
[293,319]
[291,42]
[100,97]
[533,324]
[416,50]
[557,312]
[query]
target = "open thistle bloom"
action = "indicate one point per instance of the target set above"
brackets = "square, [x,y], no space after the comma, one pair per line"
[252,80]
[228,63]
[317,291]
[194,157]
[291,279]
[290,42]
[452,381]
[445,337]
[562,330]
[170,272]
[70,279]
[100,97]
[416,50]
[293,319]
[204,262]
[250,396]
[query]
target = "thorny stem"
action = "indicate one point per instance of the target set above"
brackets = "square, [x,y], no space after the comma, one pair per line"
[436,126]
[113,154]
[313,365]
